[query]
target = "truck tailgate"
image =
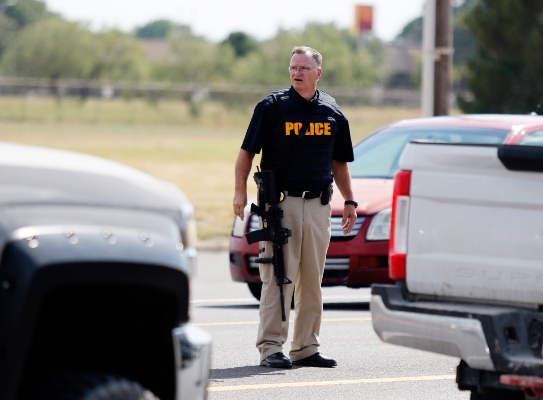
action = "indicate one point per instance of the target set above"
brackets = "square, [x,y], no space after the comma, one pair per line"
[475,227]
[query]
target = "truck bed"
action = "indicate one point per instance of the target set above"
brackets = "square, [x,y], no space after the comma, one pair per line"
[475,226]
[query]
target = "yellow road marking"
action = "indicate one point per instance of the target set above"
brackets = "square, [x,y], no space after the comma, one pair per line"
[329,383]
[256,322]
[227,323]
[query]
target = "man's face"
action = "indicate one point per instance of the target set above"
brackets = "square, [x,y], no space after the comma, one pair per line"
[303,80]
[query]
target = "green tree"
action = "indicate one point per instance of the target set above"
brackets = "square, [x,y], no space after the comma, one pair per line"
[14,15]
[8,32]
[26,12]
[412,31]
[242,43]
[463,42]
[345,62]
[159,29]
[5,4]
[51,48]
[505,75]
[118,56]
[196,60]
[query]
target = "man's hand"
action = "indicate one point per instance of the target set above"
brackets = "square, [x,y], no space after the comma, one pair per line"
[342,177]
[240,201]
[349,219]
[242,169]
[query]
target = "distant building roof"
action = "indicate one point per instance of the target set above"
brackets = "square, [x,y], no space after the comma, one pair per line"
[157,50]
[401,56]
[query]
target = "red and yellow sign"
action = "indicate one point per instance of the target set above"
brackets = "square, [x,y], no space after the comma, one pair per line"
[363,21]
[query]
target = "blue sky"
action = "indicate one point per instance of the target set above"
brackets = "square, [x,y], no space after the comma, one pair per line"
[215,19]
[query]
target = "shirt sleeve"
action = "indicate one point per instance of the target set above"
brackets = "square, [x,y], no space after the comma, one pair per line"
[259,127]
[343,146]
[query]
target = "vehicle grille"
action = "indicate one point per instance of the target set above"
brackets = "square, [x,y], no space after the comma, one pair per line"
[331,264]
[337,232]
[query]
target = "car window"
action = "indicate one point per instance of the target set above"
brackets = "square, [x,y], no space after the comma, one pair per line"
[378,155]
[533,139]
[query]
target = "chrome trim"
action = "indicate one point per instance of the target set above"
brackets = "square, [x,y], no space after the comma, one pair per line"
[452,336]
[332,263]
[337,263]
[192,350]
[191,253]
[337,230]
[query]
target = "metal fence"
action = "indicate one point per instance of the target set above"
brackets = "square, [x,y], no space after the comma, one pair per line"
[193,92]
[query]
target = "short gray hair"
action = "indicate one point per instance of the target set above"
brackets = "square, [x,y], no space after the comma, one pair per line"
[308,50]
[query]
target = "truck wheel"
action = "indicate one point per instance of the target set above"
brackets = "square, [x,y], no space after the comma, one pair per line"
[119,389]
[87,386]
[255,288]
[497,395]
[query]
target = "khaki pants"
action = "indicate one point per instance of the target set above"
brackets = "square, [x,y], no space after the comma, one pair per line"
[305,255]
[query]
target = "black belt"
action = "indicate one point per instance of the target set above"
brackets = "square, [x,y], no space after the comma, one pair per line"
[305,194]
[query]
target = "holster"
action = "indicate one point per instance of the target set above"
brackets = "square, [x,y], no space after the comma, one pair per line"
[327,194]
[267,192]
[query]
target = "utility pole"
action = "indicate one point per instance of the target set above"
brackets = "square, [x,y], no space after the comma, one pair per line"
[443,56]
[437,53]
[428,52]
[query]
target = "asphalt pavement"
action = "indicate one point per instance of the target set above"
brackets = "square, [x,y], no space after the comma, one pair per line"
[367,368]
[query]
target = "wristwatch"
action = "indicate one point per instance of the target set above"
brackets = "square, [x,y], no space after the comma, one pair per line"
[351,202]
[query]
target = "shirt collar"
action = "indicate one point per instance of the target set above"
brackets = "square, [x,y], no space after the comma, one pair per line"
[297,95]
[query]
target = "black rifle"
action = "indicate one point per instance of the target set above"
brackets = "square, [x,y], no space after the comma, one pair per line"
[272,231]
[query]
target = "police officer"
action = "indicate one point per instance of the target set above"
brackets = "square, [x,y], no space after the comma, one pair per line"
[305,164]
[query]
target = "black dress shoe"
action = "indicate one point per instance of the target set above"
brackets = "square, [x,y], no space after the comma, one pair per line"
[277,360]
[316,360]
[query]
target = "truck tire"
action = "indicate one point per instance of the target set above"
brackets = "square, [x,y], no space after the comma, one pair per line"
[497,395]
[119,389]
[88,386]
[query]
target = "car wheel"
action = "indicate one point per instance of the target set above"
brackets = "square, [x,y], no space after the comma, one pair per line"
[88,386]
[255,288]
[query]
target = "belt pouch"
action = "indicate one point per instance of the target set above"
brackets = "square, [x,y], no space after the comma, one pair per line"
[327,194]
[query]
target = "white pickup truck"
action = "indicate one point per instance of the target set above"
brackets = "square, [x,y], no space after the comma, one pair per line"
[466,252]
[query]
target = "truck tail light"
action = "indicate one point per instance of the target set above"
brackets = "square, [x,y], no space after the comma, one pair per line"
[398,225]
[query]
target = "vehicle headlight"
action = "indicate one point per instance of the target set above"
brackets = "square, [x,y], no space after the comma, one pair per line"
[238,230]
[189,232]
[190,235]
[190,238]
[379,228]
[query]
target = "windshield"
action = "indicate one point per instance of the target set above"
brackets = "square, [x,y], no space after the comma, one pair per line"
[533,139]
[378,155]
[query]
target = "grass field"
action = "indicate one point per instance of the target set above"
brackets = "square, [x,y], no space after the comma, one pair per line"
[197,154]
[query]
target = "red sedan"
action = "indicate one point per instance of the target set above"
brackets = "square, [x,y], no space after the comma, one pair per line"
[361,258]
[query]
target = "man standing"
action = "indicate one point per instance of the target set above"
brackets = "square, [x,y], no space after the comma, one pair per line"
[305,139]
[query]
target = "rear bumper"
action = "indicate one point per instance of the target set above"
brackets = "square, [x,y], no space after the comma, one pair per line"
[491,338]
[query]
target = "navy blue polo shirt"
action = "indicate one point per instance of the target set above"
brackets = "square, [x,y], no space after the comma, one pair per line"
[301,162]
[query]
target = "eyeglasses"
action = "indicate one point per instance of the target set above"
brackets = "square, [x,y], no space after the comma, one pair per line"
[301,69]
